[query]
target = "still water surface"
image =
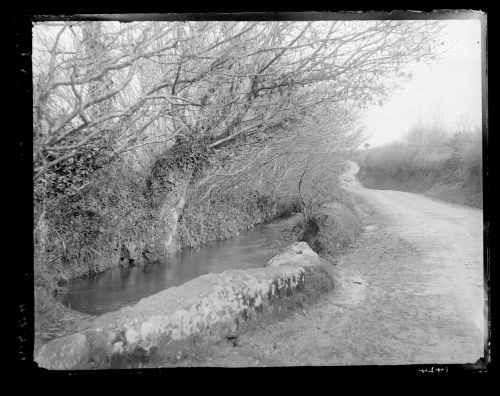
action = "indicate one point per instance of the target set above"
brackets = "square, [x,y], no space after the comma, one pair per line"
[119,287]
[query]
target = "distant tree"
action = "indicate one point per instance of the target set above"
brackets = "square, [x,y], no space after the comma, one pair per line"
[427,134]
[367,146]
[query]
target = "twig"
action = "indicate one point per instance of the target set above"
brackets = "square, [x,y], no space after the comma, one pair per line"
[54,258]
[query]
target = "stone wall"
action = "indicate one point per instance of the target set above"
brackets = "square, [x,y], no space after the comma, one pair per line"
[210,307]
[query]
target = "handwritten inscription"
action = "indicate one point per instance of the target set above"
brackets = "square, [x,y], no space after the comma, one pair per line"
[433,369]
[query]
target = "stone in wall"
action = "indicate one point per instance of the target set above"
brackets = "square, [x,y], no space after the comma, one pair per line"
[298,253]
[66,353]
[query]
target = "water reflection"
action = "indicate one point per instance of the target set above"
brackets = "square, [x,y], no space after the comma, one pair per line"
[120,287]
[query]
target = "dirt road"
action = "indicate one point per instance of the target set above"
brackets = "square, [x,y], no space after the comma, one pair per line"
[410,292]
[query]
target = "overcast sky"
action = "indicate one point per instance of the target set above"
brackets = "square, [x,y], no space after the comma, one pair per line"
[448,90]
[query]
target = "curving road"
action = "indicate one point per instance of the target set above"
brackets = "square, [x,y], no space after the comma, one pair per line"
[410,292]
[450,286]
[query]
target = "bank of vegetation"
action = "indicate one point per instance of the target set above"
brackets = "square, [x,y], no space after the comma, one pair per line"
[149,137]
[441,164]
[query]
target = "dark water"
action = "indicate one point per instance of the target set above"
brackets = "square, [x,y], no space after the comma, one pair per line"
[120,287]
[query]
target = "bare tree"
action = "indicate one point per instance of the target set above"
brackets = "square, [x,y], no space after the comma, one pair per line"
[202,92]
[221,81]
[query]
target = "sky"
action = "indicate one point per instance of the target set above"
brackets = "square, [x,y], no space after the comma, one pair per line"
[448,90]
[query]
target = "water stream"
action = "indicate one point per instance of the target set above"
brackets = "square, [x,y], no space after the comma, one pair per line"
[119,287]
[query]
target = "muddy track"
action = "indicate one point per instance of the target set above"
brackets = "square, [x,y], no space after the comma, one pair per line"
[409,292]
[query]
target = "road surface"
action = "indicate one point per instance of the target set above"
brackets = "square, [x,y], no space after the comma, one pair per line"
[411,291]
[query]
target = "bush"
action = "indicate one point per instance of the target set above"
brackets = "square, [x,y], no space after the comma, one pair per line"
[331,228]
[456,164]
[82,233]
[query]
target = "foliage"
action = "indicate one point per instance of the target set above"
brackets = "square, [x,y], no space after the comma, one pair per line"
[443,166]
[74,231]
[228,214]
[331,228]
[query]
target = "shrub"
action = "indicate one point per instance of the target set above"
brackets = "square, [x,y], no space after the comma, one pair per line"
[456,163]
[83,233]
[331,228]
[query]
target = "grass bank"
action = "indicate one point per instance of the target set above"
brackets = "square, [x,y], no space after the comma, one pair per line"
[228,215]
[450,171]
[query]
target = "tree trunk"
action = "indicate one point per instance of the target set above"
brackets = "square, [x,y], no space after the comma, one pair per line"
[170,209]
[303,202]
[169,182]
